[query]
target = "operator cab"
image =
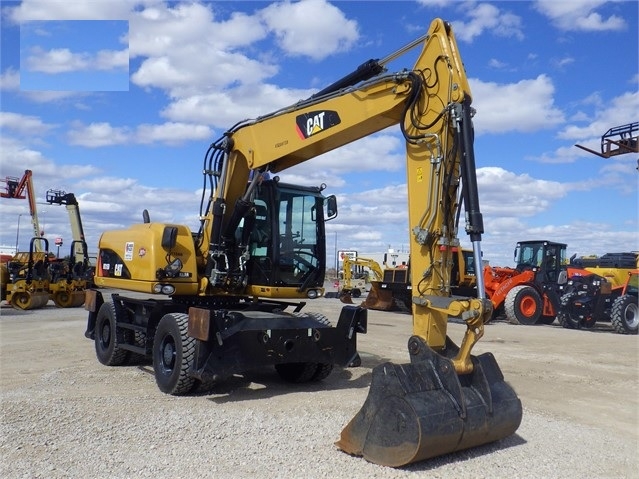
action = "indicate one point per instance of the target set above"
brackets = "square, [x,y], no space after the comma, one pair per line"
[287,240]
[544,257]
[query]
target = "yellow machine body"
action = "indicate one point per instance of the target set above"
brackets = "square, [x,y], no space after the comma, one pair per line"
[131,258]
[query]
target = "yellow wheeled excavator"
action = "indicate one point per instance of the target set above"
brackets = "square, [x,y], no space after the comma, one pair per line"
[261,242]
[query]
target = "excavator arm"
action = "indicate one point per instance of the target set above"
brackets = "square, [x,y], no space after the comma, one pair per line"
[431,104]
[371,264]
[348,290]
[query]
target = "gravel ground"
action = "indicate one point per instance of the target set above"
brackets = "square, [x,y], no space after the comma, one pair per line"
[64,415]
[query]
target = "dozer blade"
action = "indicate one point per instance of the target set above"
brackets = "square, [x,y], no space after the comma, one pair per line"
[378,299]
[423,409]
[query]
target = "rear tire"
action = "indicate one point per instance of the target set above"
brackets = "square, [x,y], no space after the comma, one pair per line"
[296,372]
[523,305]
[108,338]
[173,355]
[625,314]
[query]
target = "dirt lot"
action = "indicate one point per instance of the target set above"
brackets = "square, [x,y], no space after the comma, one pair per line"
[65,415]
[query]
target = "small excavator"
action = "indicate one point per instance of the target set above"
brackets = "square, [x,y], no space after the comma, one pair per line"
[221,296]
[352,286]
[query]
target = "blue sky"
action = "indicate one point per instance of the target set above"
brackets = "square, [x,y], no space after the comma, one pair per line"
[80,55]
[128,135]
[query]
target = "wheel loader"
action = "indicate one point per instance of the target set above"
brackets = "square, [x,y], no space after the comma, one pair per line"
[229,296]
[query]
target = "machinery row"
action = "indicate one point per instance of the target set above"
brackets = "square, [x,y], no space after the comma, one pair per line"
[29,279]
[543,286]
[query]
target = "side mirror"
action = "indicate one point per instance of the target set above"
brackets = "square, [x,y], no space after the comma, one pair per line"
[331,207]
[563,277]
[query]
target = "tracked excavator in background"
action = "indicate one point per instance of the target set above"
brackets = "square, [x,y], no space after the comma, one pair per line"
[261,242]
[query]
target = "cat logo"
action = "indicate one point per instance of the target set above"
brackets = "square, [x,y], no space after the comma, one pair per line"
[313,122]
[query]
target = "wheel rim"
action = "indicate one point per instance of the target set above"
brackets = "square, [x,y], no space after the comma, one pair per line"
[105,335]
[632,315]
[528,306]
[168,354]
[21,300]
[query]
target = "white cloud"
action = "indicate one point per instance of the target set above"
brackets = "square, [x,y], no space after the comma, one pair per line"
[487,17]
[53,96]
[525,106]
[579,15]
[101,134]
[63,60]
[314,28]
[225,108]
[30,10]
[171,133]
[10,80]
[97,135]
[506,194]
[24,124]
[619,111]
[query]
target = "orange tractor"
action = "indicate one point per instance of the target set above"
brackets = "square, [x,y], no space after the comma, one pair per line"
[530,292]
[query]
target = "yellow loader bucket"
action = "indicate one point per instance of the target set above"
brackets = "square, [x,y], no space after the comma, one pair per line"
[378,299]
[424,409]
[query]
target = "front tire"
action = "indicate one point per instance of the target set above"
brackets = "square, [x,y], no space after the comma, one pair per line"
[568,318]
[108,338]
[625,314]
[523,305]
[173,355]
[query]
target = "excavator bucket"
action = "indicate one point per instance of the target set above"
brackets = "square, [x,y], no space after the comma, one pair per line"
[424,409]
[346,297]
[378,299]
